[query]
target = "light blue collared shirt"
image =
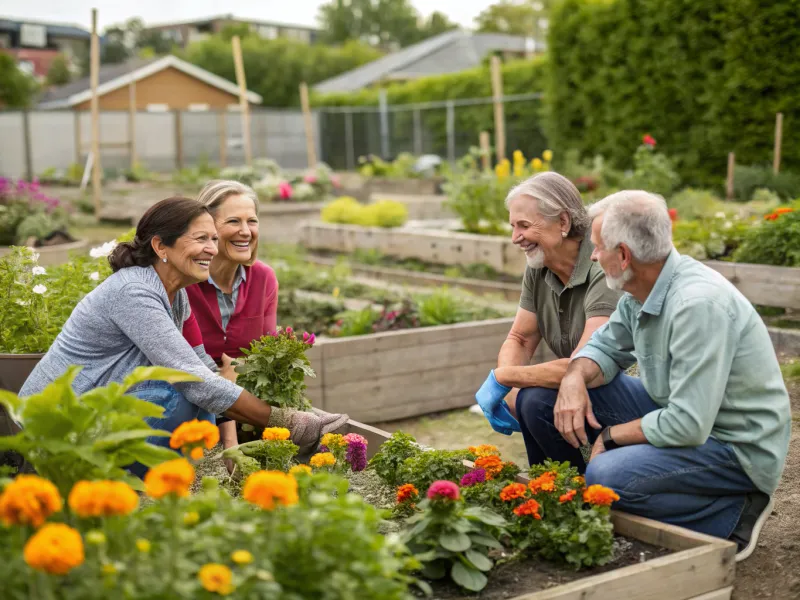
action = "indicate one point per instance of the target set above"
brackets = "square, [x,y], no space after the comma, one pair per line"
[706,358]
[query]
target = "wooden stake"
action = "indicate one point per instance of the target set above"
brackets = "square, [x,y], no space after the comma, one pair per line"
[94,65]
[776,161]
[178,140]
[132,121]
[486,150]
[78,138]
[731,166]
[311,148]
[243,104]
[499,117]
[222,133]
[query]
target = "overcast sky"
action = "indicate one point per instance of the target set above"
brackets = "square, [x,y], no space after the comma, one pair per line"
[300,12]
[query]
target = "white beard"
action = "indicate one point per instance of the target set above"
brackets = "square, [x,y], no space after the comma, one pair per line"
[617,283]
[535,259]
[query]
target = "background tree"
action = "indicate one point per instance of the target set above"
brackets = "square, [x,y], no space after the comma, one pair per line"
[59,72]
[385,23]
[436,24]
[514,18]
[16,88]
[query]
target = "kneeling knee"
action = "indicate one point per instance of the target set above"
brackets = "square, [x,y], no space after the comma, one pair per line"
[536,401]
[602,471]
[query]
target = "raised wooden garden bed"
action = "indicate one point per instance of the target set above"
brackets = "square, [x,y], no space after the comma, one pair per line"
[420,207]
[280,221]
[353,184]
[54,255]
[700,567]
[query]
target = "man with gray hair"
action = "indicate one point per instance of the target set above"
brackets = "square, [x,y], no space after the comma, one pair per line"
[701,438]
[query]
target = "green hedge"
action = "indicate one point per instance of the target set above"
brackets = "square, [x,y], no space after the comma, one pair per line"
[704,77]
[524,129]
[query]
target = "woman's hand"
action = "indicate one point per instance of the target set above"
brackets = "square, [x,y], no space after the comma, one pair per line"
[227,369]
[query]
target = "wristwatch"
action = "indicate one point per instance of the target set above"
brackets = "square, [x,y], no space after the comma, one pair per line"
[608,442]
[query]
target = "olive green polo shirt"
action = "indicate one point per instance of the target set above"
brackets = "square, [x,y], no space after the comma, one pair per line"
[561,311]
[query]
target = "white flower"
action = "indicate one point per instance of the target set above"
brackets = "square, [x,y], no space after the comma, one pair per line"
[38,270]
[95,276]
[22,302]
[104,250]
[720,215]
[727,225]
[39,289]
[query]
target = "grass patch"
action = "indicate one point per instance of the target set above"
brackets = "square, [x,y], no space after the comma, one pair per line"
[791,370]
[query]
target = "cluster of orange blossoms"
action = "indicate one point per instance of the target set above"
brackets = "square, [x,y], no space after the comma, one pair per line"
[407,492]
[529,508]
[29,500]
[546,482]
[267,489]
[777,213]
[512,492]
[492,464]
[193,435]
[102,499]
[599,495]
[275,434]
[172,477]
[484,450]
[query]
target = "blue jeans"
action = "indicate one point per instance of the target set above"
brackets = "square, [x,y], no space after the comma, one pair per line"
[177,410]
[701,488]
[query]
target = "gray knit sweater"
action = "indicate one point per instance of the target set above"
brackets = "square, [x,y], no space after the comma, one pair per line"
[127,322]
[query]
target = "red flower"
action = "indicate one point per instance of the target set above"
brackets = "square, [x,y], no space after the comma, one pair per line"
[673,214]
[529,508]
[568,496]
[443,490]
[649,140]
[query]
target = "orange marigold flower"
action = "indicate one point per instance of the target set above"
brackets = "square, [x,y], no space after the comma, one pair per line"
[491,464]
[194,432]
[102,499]
[568,496]
[196,453]
[783,211]
[529,508]
[172,477]
[513,491]
[268,488]
[546,482]
[322,459]
[484,450]
[297,469]
[56,548]
[216,578]
[29,500]
[599,495]
[407,492]
[273,434]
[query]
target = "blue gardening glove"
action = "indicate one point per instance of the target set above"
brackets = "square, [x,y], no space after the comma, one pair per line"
[490,399]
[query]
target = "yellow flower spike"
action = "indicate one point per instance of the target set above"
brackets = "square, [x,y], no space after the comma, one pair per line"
[536,164]
[217,578]
[242,557]
[547,155]
[143,545]
[95,538]
[191,518]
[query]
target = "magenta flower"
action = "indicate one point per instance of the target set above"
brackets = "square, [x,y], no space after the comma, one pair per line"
[309,338]
[444,490]
[473,477]
[355,437]
[289,332]
[285,190]
[357,455]
[310,178]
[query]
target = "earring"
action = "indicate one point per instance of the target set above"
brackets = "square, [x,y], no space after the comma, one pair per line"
[563,235]
[164,259]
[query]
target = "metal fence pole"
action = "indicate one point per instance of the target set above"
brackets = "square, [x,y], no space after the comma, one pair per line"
[451,131]
[417,132]
[348,140]
[384,108]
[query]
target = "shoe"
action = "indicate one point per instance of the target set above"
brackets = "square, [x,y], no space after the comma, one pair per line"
[757,509]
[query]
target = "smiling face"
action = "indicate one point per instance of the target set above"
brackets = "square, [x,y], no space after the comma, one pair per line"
[237,226]
[190,257]
[611,260]
[538,237]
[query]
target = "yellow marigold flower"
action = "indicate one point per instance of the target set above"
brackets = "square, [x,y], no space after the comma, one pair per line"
[109,569]
[513,491]
[56,548]
[172,477]
[491,464]
[29,500]
[333,440]
[102,499]
[484,450]
[547,155]
[242,557]
[273,434]
[194,432]
[143,545]
[191,518]
[579,480]
[322,459]
[536,164]
[297,469]
[268,488]
[599,495]
[215,577]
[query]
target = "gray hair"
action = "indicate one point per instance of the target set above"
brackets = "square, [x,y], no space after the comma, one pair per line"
[554,194]
[216,191]
[638,219]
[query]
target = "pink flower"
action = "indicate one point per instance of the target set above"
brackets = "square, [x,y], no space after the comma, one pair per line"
[285,190]
[289,332]
[443,490]
[335,181]
[649,140]
[310,178]
[473,477]
[355,437]
[309,338]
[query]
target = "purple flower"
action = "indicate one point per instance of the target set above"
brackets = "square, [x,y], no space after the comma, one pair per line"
[473,477]
[323,448]
[357,454]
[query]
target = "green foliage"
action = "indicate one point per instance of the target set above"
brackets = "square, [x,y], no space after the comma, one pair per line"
[355,322]
[342,210]
[198,174]
[391,455]
[747,180]
[512,18]
[274,368]
[440,308]
[272,455]
[401,167]
[59,72]
[709,238]
[774,241]
[275,68]
[652,171]
[17,89]
[694,203]
[422,469]
[450,538]
[383,213]
[305,314]
[791,370]
[25,211]
[69,438]
[622,68]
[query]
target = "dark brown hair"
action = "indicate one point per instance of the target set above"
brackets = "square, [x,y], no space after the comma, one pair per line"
[167,220]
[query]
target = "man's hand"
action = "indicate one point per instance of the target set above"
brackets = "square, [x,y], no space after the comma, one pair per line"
[572,409]
[598,448]
[226,370]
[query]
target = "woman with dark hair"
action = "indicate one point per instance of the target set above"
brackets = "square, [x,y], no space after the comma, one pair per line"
[135,318]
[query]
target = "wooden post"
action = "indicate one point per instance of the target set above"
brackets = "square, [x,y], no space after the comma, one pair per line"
[486,150]
[26,137]
[244,105]
[222,133]
[132,122]
[499,116]
[311,148]
[776,161]
[178,140]
[97,168]
[731,166]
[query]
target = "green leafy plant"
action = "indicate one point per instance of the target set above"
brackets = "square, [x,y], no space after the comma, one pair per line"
[401,167]
[451,538]
[709,238]
[26,212]
[775,241]
[652,171]
[274,368]
[391,455]
[422,469]
[272,455]
[69,438]
[440,308]
[348,211]
[306,314]
[747,180]
[354,322]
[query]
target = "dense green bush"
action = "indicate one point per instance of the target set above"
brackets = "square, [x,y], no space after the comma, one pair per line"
[748,180]
[775,242]
[704,78]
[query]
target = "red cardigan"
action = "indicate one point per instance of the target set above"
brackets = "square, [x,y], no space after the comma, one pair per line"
[255,315]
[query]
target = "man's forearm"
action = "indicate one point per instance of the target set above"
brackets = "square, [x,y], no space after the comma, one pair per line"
[628,434]
[228,437]
[546,375]
[587,370]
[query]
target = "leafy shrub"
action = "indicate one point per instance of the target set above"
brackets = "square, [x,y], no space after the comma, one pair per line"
[422,469]
[652,171]
[747,180]
[305,314]
[440,308]
[694,203]
[391,455]
[342,210]
[26,212]
[709,238]
[775,241]
[355,322]
[348,211]
[274,369]
[401,167]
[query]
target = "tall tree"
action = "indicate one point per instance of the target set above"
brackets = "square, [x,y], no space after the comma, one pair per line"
[515,18]
[435,24]
[59,72]
[16,88]
[384,23]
